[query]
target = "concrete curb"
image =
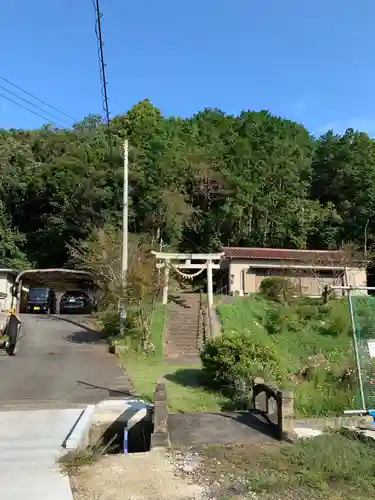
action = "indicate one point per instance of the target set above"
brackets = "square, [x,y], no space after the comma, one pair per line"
[330,422]
[79,436]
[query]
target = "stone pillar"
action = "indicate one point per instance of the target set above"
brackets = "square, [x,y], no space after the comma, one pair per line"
[210,292]
[166,282]
[160,437]
[286,410]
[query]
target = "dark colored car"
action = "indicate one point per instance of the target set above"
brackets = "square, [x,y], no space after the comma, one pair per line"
[41,300]
[75,302]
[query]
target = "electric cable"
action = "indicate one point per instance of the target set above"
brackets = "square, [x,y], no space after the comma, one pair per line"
[32,104]
[37,99]
[30,110]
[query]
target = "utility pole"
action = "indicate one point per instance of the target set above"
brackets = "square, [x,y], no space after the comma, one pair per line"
[125,196]
[124,249]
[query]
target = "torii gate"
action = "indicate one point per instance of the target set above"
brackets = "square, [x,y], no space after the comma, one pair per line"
[186,261]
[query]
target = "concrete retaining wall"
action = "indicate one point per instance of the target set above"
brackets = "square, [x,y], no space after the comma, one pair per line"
[160,436]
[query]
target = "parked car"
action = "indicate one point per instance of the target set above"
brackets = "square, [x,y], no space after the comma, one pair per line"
[41,300]
[77,302]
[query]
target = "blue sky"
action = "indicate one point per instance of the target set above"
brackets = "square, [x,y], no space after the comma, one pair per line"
[310,61]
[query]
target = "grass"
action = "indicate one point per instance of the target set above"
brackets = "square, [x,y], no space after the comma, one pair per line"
[185,383]
[157,329]
[313,346]
[71,462]
[333,466]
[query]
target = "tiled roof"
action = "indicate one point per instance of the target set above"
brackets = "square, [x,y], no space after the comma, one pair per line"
[283,254]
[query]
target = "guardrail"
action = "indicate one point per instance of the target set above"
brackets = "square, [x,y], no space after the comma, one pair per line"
[11,332]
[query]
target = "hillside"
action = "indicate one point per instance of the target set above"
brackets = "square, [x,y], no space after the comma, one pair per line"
[199,182]
[308,348]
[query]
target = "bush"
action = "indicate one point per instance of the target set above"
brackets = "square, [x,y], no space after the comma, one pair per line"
[109,321]
[237,357]
[278,289]
[110,325]
[281,319]
[337,321]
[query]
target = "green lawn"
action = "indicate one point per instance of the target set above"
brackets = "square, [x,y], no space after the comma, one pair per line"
[185,391]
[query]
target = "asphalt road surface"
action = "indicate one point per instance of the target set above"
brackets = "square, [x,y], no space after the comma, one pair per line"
[60,363]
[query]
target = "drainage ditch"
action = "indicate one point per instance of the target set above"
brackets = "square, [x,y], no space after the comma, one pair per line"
[118,440]
[122,427]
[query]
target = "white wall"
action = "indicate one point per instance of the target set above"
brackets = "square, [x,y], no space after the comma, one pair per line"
[3,289]
[6,282]
[243,279]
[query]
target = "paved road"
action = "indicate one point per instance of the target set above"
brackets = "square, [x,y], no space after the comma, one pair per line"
[30,443]
[60,363]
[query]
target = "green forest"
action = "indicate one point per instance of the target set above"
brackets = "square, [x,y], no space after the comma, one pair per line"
[199,183]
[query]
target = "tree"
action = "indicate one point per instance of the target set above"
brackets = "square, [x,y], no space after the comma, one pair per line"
[100,255]
[11,243]
[344,175]
[200,182]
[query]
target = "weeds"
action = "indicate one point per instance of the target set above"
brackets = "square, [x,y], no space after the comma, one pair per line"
[336,466]
[71,462]
[309,344]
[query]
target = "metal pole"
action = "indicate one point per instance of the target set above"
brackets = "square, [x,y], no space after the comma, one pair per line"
[355,344]
[124,248]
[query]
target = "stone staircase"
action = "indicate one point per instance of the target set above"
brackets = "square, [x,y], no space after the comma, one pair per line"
[185,328]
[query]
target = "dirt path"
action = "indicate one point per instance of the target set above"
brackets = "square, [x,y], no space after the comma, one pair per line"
[143,476]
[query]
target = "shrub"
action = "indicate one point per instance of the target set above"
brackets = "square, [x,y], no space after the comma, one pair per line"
[235,358]
[278,289]
[109,321]
[337,321]
[281,319]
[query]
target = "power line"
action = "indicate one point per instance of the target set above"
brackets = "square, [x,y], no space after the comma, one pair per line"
[32,104]
[28,109]
[37,98]
[102,65]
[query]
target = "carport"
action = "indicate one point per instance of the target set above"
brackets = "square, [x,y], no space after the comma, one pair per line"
[60,280]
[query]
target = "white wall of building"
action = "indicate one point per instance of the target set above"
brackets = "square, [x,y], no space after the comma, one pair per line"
[6,284]
[243,279]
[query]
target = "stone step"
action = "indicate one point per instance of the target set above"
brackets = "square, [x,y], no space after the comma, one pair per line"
[184,327]
[182,352]
[182,335]
[182,347]
[179,345]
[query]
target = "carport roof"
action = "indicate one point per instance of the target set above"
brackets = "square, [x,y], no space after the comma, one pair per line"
[51,276]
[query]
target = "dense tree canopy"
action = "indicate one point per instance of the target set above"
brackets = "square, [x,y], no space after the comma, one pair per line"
[200,182]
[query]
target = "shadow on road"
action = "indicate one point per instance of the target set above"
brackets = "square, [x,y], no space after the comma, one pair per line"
[85,336]
[111,392]
[230,416]
[254,420]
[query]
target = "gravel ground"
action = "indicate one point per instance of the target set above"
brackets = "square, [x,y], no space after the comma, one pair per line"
[141,476]
[177,475]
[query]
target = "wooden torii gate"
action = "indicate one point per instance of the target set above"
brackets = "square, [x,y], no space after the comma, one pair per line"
[180,261]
